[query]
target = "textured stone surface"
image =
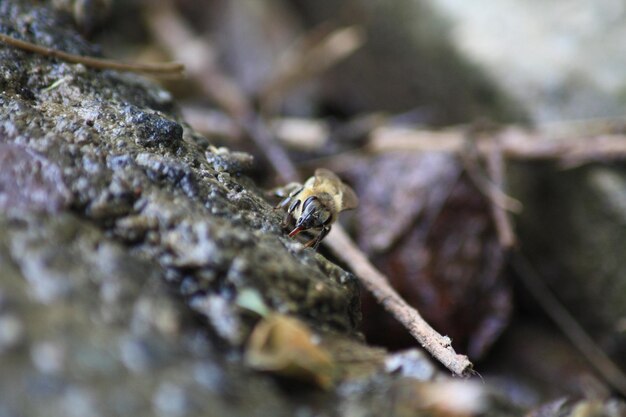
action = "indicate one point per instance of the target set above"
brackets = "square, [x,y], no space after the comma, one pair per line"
[125,239]
[562,59]
[124,242]
[132,168]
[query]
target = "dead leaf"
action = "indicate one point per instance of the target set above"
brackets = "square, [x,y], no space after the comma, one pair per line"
[284,346]
[430,231]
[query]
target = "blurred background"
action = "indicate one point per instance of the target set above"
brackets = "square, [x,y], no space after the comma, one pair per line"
[406,101]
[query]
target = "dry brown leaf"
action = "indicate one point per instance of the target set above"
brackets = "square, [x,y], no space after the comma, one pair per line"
[284,346]
[430,231]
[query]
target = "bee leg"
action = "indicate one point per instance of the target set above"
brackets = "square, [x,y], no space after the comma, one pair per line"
[315,242]
[288,192]
[283,203]
[310,243]
[290,210]
[293,206]
[322,235]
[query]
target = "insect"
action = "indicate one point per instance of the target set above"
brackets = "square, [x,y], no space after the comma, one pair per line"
[316,204]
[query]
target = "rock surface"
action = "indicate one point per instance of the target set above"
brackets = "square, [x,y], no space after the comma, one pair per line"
[124,241]
[562,59]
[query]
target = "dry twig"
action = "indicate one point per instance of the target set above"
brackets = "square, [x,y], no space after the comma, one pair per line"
[211,122]
[501,219]
[470,157]
[308,58]
[516,143]
[165,69]
[376,283]
[570,327]
[169,29]
[298,134]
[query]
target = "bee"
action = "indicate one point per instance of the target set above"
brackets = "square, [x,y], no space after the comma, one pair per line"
[316,204]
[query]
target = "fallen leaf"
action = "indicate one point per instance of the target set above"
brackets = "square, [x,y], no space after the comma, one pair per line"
[426,226]
[284,346]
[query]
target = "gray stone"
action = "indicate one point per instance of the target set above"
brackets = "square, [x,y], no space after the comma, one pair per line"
[562,59]
[126,244]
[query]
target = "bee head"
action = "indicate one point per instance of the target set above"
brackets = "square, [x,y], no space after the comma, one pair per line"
[316,212]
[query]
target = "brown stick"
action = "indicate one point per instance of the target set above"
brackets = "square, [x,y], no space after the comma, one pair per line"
[257,129]
[501,219]
[515,143]
[168,68]
[439,346]
[168,27]
[470,156]
[305,60]
[570,327]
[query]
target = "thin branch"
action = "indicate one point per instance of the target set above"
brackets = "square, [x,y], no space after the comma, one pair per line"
[501,219]
[516,143]
[470,157]
[293,133]
[570,327]
[377,284]
[166,69]
[211,122]
[169,28]
[256,128]
[308,58]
